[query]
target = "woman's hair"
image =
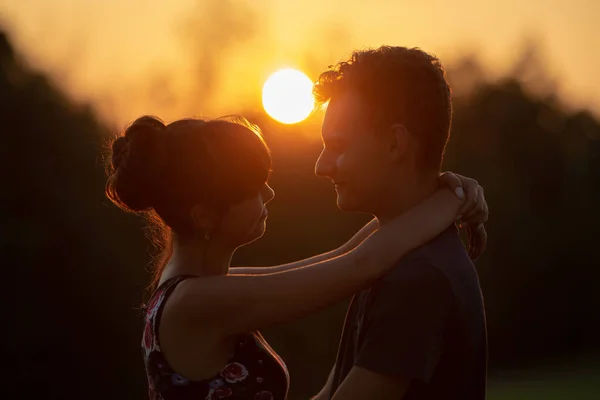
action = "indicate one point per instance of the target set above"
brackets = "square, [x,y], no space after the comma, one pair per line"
[162,171]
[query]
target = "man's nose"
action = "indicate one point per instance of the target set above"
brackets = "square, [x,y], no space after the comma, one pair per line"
[323,166]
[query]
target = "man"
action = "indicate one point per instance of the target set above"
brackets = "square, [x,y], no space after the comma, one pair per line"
[419,333]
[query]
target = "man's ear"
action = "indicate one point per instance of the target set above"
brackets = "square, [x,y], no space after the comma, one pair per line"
[203,218]
[398,140]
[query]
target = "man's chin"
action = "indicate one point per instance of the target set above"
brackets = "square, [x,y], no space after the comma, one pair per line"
[345,205]
[258,232]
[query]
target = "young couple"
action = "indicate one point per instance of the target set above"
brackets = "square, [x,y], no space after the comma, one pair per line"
[415,328]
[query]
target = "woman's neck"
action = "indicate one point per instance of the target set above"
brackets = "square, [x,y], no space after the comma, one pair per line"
[200,257]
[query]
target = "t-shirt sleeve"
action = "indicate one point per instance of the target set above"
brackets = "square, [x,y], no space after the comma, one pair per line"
[403,329]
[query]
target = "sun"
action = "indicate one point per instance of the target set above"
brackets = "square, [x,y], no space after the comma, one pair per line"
[287,96]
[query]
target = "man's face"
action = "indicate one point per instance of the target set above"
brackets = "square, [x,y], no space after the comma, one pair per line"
[354,157]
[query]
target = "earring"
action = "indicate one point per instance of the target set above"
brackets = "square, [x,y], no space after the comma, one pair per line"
[206,236]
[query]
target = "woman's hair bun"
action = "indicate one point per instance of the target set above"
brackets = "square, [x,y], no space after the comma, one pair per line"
[137,164]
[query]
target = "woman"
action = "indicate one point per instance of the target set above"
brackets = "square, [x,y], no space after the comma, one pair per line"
[207,182]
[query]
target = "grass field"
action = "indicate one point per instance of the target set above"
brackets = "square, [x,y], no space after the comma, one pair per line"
[569,382]
[578,380]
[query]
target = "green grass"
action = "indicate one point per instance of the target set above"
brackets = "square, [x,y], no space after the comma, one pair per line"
[571,382]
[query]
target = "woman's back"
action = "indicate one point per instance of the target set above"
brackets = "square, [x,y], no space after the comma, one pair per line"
[254,371]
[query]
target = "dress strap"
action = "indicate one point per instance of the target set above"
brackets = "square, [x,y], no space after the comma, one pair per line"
[154,310]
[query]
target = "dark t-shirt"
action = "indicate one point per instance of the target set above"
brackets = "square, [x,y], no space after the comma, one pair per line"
[423,321]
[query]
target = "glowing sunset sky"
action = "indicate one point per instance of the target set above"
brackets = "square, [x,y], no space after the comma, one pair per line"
[180,57]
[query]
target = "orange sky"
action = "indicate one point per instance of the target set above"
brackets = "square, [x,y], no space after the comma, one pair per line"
[208,57]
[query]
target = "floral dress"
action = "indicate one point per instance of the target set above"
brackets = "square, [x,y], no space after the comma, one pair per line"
[253,372]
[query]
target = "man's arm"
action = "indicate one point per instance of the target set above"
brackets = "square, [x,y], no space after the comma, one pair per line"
[357,239]
[324,393]
[362,384]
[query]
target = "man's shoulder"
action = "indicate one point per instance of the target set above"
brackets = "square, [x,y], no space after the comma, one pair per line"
[444,251]
[412,273]
[445,247]
[443,258]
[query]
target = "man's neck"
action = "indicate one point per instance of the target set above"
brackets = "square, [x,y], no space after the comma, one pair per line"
[401,199]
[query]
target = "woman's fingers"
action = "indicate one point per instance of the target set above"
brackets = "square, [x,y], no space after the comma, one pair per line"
[479,213]
[474,208]
[453,182]
[477,237]
[473,213]
[471,189]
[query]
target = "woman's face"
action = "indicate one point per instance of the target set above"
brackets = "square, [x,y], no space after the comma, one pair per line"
[245,222]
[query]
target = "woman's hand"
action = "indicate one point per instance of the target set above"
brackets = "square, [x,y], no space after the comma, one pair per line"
[474,212]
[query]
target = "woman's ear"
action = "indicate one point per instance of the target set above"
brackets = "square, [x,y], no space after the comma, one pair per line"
[398,139]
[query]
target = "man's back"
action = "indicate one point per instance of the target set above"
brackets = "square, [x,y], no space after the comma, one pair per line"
[424,321]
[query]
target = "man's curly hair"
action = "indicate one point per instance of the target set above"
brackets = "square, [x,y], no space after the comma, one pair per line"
[397,85]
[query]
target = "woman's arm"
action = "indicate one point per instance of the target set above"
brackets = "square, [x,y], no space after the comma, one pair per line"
[474,211]
[229,305]
[357,239]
